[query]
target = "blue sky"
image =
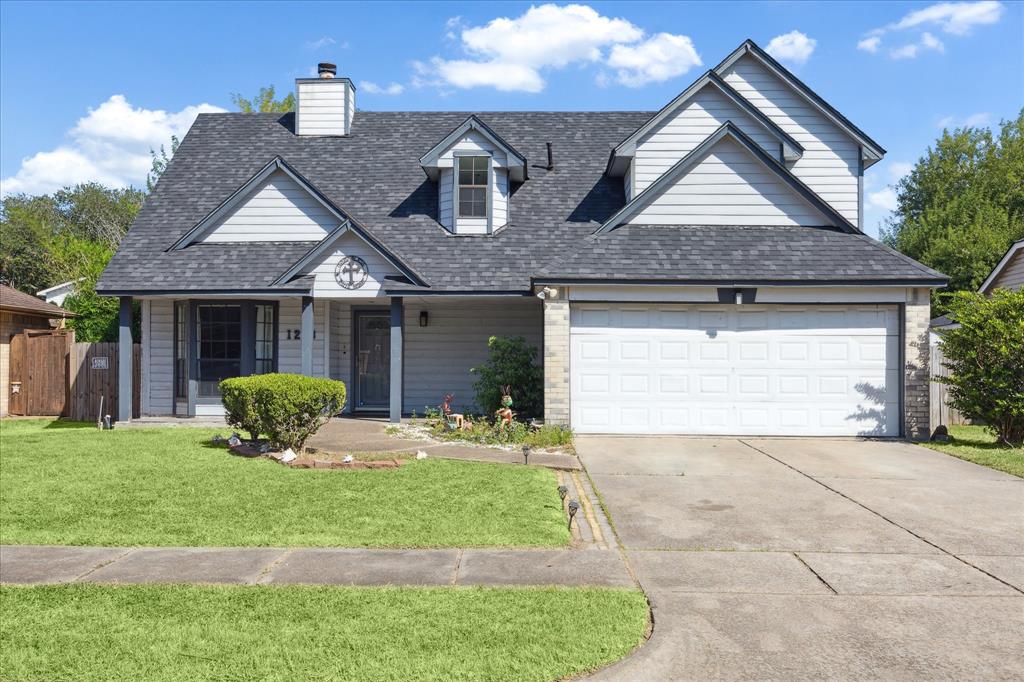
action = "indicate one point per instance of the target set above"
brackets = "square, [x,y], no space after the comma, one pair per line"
[87,88]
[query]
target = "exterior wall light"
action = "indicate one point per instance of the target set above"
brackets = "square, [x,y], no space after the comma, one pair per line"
[424,318]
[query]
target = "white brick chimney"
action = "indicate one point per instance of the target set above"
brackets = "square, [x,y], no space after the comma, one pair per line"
[324,105]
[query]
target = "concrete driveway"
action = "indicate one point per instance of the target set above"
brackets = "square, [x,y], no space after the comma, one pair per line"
[810,558]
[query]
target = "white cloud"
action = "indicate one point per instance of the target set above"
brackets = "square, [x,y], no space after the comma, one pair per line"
[511,54]
[656,59]
[793,47]
[884,199]
[897,169]
[374,89]
[956,18]
[911,50]
[109,145]
[982,118]
[953,18]
[975,120]
[869,44]
[320,43]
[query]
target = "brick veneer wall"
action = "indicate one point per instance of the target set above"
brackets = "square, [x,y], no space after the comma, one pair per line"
[556,359]
[916,370]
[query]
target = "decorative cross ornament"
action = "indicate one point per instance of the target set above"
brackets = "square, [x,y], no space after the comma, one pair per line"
[351,272]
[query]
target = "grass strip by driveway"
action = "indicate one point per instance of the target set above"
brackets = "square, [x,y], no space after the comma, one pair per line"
[977,444]
[172,633]
[66,484]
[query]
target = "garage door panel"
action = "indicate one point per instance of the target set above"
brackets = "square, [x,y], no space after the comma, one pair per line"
[757,370]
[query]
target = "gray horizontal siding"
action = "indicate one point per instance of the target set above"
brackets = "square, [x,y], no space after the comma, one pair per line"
[438,357]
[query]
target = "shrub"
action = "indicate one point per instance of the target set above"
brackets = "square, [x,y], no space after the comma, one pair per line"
[985,358]
[511,363]
[239,398]
[288,408]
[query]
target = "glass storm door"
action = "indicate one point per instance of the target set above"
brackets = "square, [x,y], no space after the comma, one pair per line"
[219,346]
[373,360]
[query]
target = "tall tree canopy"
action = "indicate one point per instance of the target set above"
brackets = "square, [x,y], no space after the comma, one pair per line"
[962,205]
[264,102]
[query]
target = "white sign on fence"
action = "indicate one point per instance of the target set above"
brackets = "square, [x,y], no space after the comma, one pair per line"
[100,362]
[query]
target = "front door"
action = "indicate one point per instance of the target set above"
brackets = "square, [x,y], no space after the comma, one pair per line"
[372,360]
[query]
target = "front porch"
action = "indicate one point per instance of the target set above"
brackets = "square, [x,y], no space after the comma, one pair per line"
[396,355]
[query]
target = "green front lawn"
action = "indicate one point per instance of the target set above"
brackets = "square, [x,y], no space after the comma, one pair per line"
[184,633]
[976,444]
[70,484]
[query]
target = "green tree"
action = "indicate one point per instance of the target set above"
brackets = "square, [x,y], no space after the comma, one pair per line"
[160,162]
[962,205]
[264,102]
[512,362]
[985,358]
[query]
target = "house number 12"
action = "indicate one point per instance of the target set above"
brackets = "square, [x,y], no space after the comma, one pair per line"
[296,334]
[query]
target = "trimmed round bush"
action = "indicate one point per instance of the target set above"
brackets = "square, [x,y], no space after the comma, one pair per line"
[287,408]
[238,396]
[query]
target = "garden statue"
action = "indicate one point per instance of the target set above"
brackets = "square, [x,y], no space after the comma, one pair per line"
[504,413]
[454,421]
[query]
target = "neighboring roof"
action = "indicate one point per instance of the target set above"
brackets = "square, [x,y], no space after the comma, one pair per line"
[737,255]
[1016,248]
[681,167]
[874,151]
[63,286]
[943,322]
[373,175]
[515,160]
[626,148]
[18,301]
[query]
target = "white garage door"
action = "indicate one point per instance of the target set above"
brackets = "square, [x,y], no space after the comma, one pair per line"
[737,370]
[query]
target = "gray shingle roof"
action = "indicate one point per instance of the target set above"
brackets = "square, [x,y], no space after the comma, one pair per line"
[374,176]
[739,254]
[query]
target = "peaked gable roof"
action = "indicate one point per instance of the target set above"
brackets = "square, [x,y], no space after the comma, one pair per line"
[871,150]
[625,149]
[681,167]
[1016,248]
[517,162]
[325,245]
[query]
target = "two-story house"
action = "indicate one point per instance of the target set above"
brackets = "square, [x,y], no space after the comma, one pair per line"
[696,270]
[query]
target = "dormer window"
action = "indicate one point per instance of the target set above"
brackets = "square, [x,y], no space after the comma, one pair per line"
[474,170]
[473,186]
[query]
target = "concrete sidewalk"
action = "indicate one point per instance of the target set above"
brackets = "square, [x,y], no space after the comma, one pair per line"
[32,564]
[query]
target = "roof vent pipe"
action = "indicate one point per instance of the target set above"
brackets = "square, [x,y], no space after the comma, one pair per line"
[326,69]
[551,158]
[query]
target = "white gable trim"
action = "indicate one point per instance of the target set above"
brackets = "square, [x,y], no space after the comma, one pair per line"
[791,149]
[728,129]
[871,151]
[1003,262]
[239,195]
[516,162]
[325,245]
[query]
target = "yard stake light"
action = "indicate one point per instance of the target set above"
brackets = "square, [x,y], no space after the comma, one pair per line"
[526,454]
[563,491]
[574,507]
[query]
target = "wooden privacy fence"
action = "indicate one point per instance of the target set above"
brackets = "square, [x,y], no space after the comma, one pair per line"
[941,412]
[51,375]
[93,369]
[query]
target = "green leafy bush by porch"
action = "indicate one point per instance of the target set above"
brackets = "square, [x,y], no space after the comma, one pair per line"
[512,362]
[985,357]
[287,408]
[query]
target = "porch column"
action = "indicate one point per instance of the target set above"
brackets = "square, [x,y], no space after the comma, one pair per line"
[397,314]
[307,336]
[124,360]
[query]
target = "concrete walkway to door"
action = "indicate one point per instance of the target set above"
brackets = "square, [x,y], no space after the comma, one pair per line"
[815,558]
